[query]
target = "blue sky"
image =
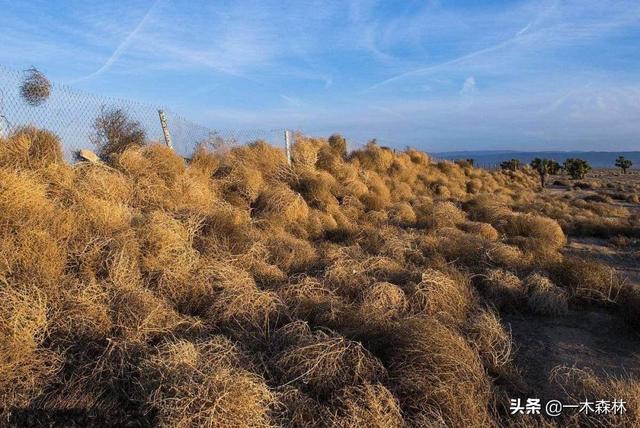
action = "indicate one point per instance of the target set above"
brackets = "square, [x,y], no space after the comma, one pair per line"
[439,75]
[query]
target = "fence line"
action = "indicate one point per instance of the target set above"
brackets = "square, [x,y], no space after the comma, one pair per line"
[71,115]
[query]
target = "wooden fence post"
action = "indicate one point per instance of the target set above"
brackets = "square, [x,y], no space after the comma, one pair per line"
[287,144]
[165,129]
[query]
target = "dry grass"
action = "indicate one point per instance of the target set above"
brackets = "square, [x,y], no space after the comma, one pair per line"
[447,299]
[545,298]
[579,384]
[204,384]
[492,341]
[282,205]
[25,364]
[237,290]
[383,302]
[323,362]
[439,215]
[439,377]
[29,147]
[588,280]
[370,405]
[547,232]
[484,230]
[503,289]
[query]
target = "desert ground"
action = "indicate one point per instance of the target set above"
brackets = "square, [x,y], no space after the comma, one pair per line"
[374,288]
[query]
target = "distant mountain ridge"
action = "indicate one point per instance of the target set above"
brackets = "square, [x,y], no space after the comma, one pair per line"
[487,158]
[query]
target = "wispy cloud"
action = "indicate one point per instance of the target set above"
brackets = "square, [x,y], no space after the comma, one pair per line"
[121,47]
[432,73]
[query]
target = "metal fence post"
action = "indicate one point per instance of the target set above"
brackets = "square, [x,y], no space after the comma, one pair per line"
[165,129]
[287,144]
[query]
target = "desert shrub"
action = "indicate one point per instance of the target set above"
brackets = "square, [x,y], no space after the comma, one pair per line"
[204,160]
[308,299]
[316,188]
[323,362]
[95,380]
[484,230]
[103,182]
[474,185]
[401,214]
[487,208]
[350,271]
[439,214]
[503,289]
[281,205]
[138,315]
[506,256]
[164,162]
[447,299]
[168,254]
[460,248]
[102,217]
[378,196]
[289,253]
[492,342]
[374,158]
[596,197]
[244,312]
[578,384]
[548,232]
[204,384]
[297,408]
[370,405]
[465,163]
[35,87]
[117,279]
[32,257]
[80,314]
[114,132]
[545,298]
[228,229]
[25,364]
[438,378]
[338,144]
[588,280]
[30,147]
[383,302]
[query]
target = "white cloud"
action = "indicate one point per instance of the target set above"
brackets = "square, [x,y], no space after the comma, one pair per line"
[469,86]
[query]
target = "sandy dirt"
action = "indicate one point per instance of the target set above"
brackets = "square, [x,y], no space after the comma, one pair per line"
[586,337]
[592,339]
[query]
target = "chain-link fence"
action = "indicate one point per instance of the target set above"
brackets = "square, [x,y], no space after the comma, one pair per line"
[71,114]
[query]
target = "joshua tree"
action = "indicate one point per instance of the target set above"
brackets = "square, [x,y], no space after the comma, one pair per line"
[543,168]
[554,167]
[511,165]
[576,168]
[465,162]
[623,163]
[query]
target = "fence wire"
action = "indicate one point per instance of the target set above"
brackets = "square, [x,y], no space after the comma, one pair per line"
[71,115]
